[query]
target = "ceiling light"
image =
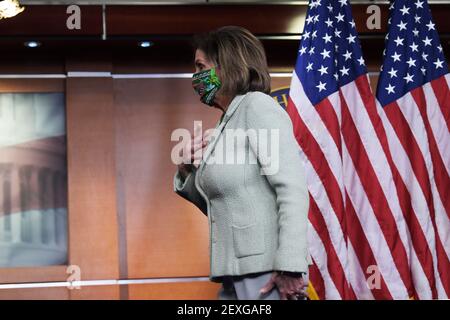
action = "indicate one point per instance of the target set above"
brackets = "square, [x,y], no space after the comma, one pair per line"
[145,44]
[10,8]
[32,44]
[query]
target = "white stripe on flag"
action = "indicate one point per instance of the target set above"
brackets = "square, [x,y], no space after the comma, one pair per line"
[317,129]
[316,189]
[410,111]
[307,112]
[372,229]
[382,169]
[418,202]
[357,276]
[376,156]
[319,254]
[438,125]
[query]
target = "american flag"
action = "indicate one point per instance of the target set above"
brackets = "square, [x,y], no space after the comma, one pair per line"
[413,91]
[359,235]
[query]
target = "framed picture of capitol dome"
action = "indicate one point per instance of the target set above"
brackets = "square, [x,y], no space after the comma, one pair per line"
[33,180]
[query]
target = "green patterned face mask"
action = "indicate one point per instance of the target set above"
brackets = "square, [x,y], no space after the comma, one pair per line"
[206,84]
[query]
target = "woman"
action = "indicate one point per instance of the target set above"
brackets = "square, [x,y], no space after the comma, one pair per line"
[257,210]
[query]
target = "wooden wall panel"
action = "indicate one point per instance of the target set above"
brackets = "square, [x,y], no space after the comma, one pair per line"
[199,290]
[58,293]
[94,62]
[26,62]
[166,236]
[93,243]
[62,293]
[95,293]
[280,82]
[36,274]
[31,85]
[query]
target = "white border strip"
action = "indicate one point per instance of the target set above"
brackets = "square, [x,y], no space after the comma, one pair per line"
[33,76]
[88,74]
[281,75]
[90,283]
[179,75]
[152,76]
[73,74]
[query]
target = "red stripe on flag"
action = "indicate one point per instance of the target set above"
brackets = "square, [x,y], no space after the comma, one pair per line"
[328,115]
[417,161]
[442,183]
[363,251]
[316,279]
[409,143]
[335,268]
[442,92]
[440,173]
[375,194]
[321,166]
[419,240]
[312,150]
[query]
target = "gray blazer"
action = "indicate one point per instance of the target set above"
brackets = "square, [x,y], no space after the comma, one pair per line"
[257,222]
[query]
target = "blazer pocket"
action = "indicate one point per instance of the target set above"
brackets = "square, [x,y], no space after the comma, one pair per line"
[248,240]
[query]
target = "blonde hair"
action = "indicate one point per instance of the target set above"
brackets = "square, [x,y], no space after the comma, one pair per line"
[240,57]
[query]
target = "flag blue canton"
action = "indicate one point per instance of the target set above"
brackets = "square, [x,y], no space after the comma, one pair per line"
[413,54]
[330,54]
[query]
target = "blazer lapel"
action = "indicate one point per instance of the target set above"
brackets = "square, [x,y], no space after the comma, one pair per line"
[231,109]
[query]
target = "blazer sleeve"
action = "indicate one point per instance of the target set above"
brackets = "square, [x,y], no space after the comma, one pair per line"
[285,173]
[186,188]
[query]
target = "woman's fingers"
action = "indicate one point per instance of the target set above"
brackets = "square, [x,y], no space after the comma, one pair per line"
[195,150]
[192,151]
[198,144]
[269,286]
[195,142]
[198,147]
[208,134]
[197,128]
[299,287]
[290,284]
[292,288]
